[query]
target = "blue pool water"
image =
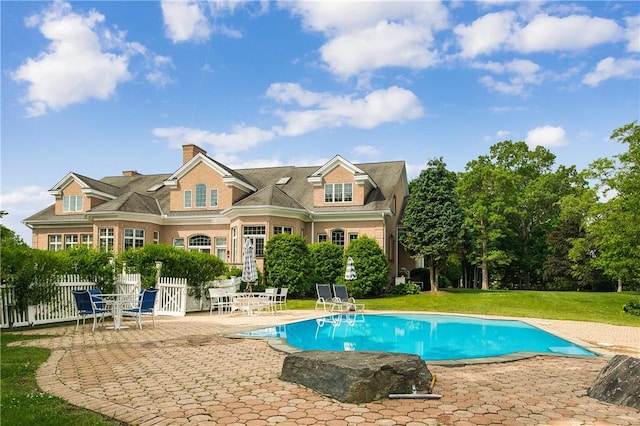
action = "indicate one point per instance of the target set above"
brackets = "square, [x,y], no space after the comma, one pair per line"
[432,337]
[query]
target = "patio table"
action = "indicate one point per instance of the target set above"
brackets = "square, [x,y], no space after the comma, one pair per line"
[251,302]
[118,302]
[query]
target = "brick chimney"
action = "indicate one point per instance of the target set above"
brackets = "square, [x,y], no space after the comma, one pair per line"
[189,151]
[130,173]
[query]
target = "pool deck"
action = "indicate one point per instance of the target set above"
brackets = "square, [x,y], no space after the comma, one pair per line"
[186,371]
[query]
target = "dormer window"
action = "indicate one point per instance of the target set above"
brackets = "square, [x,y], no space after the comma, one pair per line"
[72,203]
[338,192]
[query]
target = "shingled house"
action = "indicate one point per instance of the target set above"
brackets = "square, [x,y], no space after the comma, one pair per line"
[206,206]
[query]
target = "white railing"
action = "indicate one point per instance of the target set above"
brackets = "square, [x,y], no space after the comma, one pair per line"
[61,306]
[172,300]
[172,296]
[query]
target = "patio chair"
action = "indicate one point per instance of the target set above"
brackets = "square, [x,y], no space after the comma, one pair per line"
[145,306]
[325,298]
[281,297]
[220,299]
[342,296]
[88,307]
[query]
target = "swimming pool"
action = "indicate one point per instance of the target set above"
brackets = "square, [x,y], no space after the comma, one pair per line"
[432,337]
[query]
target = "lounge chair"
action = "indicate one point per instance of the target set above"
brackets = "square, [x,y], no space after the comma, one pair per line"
[87,305]
[325,298]
[342,296]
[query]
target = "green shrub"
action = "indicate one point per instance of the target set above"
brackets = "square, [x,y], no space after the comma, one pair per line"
[371,267]
[406,288]
[632,307]
[197,267]
[326,262]
[287,264]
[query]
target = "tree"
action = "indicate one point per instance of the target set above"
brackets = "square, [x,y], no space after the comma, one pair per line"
[511,197]
[433,218]
[614,224]
[286,263]
[371,266]
[482,190]
[326,262]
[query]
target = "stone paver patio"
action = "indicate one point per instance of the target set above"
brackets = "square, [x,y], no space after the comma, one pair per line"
[185,371]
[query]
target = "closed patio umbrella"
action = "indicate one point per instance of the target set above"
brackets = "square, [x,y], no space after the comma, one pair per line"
[249,269]
[350,273]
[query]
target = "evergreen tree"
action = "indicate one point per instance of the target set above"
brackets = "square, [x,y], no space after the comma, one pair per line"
[433,218]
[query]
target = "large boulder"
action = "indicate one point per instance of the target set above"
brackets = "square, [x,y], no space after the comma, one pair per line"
[356,377]
[619,382]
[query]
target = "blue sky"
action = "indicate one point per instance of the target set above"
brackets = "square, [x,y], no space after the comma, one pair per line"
[101,87]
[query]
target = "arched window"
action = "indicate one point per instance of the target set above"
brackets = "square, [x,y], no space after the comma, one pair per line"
[337,237]
[200,243]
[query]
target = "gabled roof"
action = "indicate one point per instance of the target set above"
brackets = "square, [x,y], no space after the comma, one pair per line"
[265,187]
[337,161]
[89,186]
[230,177]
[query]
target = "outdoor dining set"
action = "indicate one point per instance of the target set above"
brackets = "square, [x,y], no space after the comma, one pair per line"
[228,300]
[97,305]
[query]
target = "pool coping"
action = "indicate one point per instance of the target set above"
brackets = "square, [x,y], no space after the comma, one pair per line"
[280,343]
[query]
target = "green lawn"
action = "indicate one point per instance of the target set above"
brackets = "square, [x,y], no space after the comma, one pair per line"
[23,403]
[580,306]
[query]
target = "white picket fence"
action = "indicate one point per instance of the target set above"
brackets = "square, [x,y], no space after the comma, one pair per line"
[172,300]
[172,296]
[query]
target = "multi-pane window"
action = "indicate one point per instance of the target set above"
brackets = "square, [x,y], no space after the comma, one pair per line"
[338,192]
[337,237]
[213,198]
[257,234]
[70,241]
[86,240]
[187,198]
[200,243]
[322,238]
[282,230]
[221,247]
[105,239]
[353,236]
[156,237]
[201,195]
[55,242]
[178,243]
[133,238]
[72,203]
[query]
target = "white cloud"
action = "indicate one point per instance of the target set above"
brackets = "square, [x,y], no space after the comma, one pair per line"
[575,32]
[367,150]
[242,138]
[546,136]
[507,31]
[25,195]
[612,68]
[365,36]
[633,33]
[323,110]
[386,44]
[185,21]
[20,203]
[74,68]
[486,34]
[522,73]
